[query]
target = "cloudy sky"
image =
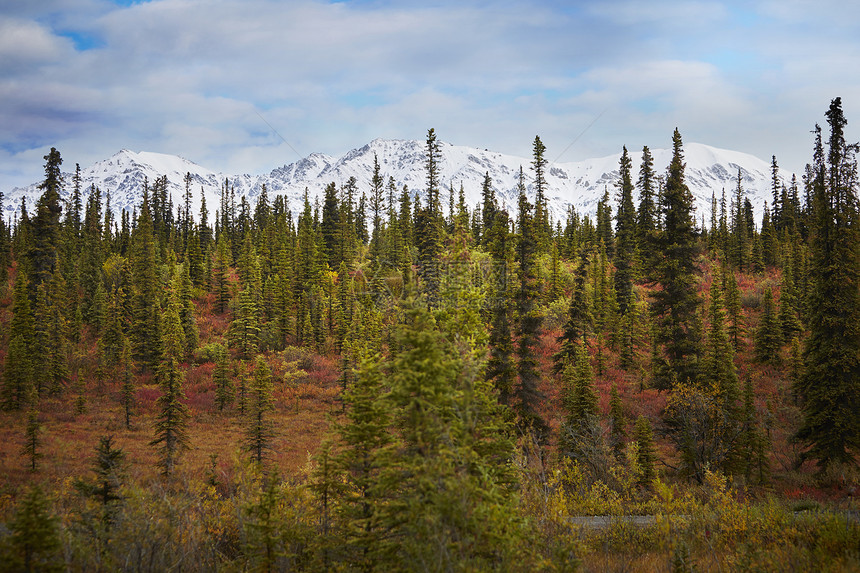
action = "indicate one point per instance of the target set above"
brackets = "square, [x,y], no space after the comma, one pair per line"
[249,85]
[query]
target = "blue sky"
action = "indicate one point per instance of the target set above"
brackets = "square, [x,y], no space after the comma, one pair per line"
[194,77]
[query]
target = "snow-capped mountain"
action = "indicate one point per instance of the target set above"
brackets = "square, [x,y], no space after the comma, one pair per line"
[709,170]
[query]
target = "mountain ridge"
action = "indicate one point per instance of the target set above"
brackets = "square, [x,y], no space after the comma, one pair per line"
[580,183]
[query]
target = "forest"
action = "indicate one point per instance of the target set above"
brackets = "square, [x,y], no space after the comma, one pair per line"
[404,382]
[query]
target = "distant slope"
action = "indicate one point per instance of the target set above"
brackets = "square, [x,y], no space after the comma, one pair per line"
[709,170]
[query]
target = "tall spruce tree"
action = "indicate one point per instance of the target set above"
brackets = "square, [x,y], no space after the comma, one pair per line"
[829,387]
[260,430]
[675,305]
[19,387]
[528,395]
[500,366]
[625,235]
[46,223]
[171,426]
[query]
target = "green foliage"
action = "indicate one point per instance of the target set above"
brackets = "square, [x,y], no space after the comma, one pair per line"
[625,236]
[260,430]
[617,422]
[109,469]
[34,544]
[244,332]
[646,452]
[19,388]
[768,336]
[224,388]
[527,394]
[704,426]
[127,391]
[675,305]
[830,397]
[578,320]
[32,440]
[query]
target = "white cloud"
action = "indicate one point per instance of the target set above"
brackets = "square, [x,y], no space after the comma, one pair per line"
[188,76]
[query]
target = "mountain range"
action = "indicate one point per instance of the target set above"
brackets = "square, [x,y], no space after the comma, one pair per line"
[582,183]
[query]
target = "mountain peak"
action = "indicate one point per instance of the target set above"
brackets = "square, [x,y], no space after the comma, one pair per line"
[581,183]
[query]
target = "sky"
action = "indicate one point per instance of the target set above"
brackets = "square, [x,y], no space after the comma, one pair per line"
[245,86]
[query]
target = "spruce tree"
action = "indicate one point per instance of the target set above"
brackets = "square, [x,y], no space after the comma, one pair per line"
[428,227]
[171,426]
[32,440]
[829,388]
[46,222]
[528,395]
[224,390]
[145,311]
[625,236]
[768,337]
[109,470]
[500,366]
[617,423]
[647,451]
[18,376]
[718,367]
[127,391]
[244,332]
[578,318]
[675,305]
[734,311]
[542,229]
[365,440]
[260,430]
[647,214]
[35,538]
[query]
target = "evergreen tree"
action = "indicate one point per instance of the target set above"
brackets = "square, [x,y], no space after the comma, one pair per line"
[625,236]
[330,226]
[365,440]
[18,377]
[46,222]
[224,390]
[578,318]
[828,389]
[220,276]
[428,227]
[527,392]
[145,325]
[718,367]
[376,208]
[646,451]
[617,423]
[675,305]
[35,538]
[500,366]
[489,206]
[579,401]
[260,431]
[244,332]
[542,229]
[604,224]
[33,440]
[127,391]
[734,310]
[109,470]
[171,427]
[740,236]
[453,485]
[768,337]
[647,214]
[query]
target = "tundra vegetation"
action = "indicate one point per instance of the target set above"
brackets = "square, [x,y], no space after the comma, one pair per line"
[387,382]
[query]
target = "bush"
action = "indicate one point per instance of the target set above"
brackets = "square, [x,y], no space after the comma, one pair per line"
[209,353]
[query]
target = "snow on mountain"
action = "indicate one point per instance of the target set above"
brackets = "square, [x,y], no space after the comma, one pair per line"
[709,170]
